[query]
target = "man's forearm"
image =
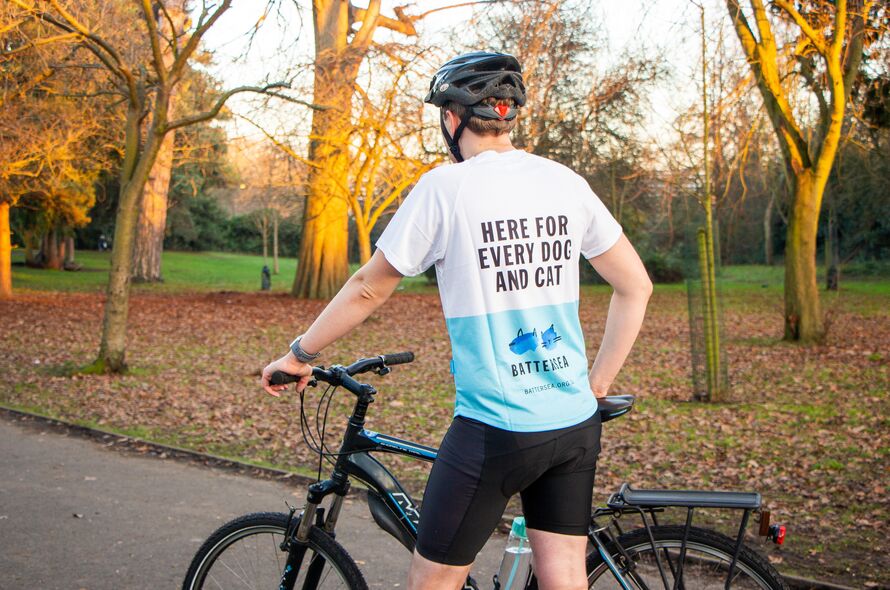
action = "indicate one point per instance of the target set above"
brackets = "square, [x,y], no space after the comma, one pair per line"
[626,312]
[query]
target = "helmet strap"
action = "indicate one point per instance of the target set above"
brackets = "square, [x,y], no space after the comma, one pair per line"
[452,140]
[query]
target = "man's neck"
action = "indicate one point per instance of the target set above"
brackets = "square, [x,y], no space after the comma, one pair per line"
[472,144]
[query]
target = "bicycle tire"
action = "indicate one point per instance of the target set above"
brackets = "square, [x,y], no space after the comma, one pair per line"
[717,550]
[320,544]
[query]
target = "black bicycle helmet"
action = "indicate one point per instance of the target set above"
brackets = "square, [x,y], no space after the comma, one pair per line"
[471,78]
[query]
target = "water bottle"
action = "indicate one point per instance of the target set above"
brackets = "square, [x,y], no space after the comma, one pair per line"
[516,567]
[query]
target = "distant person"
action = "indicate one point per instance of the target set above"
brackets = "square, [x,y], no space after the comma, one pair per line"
[505,230]
[103,243]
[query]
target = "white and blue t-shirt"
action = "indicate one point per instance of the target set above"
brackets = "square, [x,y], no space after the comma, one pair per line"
[505,231]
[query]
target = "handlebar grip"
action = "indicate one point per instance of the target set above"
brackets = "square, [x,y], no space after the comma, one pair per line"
[398,358]
[282,378]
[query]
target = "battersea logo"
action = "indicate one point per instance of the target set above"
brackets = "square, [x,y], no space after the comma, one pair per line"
[526,342]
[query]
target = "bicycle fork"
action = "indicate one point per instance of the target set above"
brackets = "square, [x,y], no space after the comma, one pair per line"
[296,541]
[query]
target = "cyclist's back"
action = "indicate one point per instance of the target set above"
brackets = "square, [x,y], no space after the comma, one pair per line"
[505,231]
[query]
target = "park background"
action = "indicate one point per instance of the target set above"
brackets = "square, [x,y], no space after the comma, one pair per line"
[744,147]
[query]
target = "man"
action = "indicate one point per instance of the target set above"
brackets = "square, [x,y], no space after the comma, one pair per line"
[504,229]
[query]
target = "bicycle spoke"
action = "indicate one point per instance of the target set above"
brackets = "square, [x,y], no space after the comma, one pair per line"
[215,581]
[276,550]
[243,571]
[234,573]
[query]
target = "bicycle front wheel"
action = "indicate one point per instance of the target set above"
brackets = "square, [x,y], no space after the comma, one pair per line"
[246,553]
[706,564]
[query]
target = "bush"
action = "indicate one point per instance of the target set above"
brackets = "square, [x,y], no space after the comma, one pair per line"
[663,267]
[200,224]
[867,269]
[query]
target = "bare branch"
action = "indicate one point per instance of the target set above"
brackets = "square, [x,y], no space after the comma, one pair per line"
[369,17]
[149,18]
[219,104]
[195,38]
[816,38]
[282,146]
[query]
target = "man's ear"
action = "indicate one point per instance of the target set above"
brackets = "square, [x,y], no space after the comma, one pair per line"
[450,122]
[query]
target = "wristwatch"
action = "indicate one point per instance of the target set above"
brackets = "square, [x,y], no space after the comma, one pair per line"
[302,355]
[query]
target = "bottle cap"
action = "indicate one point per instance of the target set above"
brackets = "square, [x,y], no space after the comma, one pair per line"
[518,527]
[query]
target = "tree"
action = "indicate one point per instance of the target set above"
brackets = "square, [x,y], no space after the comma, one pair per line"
[145,84]
[271,184]
[826,46]
[152,220]
[386,139]
[339,52]
[51,147]
[576,113]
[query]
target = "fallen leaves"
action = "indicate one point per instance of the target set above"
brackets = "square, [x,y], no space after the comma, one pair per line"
[807,427]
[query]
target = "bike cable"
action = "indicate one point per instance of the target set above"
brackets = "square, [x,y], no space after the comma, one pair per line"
[316,441]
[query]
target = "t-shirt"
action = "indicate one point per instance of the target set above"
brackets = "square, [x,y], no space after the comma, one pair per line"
[505,231]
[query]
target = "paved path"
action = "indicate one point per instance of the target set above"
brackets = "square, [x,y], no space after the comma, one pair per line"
[140,519]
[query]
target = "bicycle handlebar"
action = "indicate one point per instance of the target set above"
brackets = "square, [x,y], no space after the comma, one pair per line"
[341,377]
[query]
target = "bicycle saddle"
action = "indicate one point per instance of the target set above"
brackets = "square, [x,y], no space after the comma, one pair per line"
[614,405]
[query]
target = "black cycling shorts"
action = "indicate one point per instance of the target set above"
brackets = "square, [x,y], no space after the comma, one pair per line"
[479,467]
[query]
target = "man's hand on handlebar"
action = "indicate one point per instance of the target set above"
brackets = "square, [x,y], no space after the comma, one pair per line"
[290,365]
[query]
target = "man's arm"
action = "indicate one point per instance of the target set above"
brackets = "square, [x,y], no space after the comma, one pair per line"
[363,293]
[624,271]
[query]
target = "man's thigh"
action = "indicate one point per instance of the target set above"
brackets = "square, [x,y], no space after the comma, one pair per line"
[559,560]
[463,501]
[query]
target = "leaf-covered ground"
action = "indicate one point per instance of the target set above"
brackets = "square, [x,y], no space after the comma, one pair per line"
[807,427]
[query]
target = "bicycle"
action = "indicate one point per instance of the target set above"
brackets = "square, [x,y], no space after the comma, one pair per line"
[675,556]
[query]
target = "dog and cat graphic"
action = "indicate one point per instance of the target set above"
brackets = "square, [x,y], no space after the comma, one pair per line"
[529,341]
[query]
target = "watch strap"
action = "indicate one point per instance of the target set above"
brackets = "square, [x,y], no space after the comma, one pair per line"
[302,355]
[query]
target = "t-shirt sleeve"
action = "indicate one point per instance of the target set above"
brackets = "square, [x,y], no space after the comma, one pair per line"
[602,230]
[416,236]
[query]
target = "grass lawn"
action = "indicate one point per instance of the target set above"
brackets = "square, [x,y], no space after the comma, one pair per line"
[183,272]
[806,426]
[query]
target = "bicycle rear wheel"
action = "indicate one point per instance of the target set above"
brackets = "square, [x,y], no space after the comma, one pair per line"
[708,556]
[246,553]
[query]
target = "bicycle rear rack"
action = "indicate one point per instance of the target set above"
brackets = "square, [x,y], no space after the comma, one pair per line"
[642,502]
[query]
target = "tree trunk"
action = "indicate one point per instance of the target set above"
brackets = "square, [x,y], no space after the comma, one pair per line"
[31,242]
[69,250]
[5,252]
[152,221]
[153,216]
[803,314]
[264,230]
[364,245]
[50,250]
[768,230]
[832,253]
[275,269]
[112,349]
[323,264]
